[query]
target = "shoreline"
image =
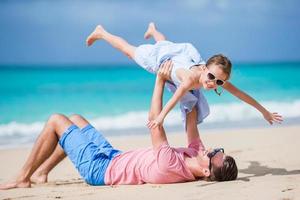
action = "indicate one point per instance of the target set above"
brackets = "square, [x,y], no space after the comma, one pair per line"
[267,169]
[177,129]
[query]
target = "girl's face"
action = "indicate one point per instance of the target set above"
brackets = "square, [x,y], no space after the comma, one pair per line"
[213,77]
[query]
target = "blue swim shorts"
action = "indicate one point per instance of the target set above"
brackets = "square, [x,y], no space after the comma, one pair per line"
[89,151]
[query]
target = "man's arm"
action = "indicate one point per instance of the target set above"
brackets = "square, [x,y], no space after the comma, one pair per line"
[179,93]
[270,117]
[158,134]
[191,126]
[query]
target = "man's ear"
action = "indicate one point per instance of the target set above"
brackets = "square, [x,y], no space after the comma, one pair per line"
[206,172]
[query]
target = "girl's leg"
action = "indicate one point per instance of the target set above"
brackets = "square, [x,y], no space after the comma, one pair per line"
[115,41]
[42,149]
[153,32]
[41,174]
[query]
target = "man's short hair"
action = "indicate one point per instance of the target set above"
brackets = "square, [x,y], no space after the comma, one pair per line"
[227,172]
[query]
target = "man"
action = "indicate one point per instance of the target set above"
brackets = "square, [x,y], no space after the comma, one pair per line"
[100,164]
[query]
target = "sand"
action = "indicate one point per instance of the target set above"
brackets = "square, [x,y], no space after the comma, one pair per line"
[268,160]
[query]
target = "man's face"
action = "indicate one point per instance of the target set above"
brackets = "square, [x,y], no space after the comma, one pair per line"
[218,159]
[215,161]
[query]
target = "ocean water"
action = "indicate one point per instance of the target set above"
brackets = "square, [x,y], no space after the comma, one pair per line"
[116,98]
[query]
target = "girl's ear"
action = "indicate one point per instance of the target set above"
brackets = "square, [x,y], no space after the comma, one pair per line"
[203,67]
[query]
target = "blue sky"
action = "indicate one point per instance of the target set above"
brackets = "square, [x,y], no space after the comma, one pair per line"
[54,32]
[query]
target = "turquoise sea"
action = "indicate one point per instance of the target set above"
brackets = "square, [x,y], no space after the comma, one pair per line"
[116,98]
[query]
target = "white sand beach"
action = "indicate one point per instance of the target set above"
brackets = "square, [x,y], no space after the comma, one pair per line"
[267,158]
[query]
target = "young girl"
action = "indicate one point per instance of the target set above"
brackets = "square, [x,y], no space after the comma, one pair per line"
[189,72]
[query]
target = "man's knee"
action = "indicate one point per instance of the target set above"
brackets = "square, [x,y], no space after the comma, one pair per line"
[59,123]
[78,120]
[56,117]
[152,116]
[75,117]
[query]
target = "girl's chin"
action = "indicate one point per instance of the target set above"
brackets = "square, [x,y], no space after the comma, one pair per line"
[206,87]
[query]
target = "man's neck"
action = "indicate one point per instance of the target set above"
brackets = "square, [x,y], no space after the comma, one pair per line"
[193,165]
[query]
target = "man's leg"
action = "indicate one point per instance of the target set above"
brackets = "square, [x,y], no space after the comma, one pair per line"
[153,32]
[115,41]
[42,149]
[41,174]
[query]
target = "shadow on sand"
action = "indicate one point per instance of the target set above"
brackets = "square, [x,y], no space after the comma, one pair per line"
[257,170]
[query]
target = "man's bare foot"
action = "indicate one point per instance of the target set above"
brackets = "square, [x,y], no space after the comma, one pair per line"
[150,30]
[97,34]
[39,178]
[15,184]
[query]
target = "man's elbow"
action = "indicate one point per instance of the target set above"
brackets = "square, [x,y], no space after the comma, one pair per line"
[152,116]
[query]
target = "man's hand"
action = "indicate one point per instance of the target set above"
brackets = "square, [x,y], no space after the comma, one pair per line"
[272,117]
[165,70]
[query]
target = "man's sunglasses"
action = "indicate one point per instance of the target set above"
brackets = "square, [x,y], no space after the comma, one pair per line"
[212,77]
[211,154]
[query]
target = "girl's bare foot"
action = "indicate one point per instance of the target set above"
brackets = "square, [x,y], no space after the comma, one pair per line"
[97,34]
[39,178]
[150,30]
[15,184]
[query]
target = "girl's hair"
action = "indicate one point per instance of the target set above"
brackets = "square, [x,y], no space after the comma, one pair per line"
[222,61]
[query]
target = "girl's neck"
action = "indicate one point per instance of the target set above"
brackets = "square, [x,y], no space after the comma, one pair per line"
[198,71]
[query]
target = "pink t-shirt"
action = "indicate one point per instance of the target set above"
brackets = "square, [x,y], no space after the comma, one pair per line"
[162,165]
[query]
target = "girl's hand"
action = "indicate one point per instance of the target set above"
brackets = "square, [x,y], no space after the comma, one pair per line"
[165,70]
[272,117]
[155,123]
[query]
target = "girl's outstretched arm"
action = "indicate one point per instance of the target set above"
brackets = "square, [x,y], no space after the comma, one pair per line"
[270,117]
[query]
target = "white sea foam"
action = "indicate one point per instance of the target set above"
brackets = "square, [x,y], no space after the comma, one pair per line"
[229,112]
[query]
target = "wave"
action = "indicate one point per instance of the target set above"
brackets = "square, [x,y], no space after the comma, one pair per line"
[225,112]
